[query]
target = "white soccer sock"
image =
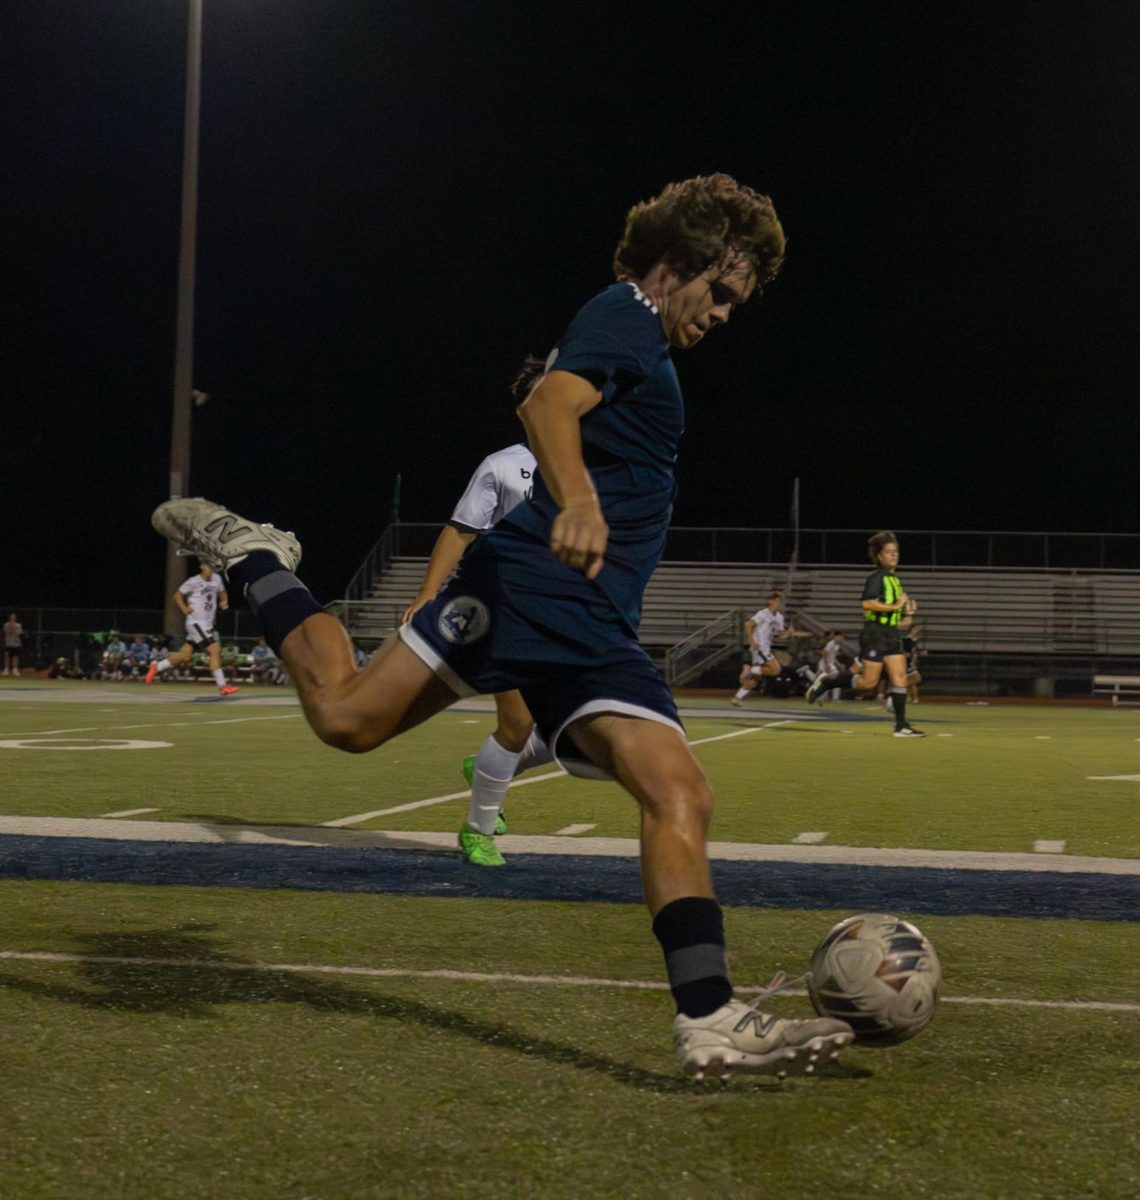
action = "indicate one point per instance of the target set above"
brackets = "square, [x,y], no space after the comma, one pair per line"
[220,677]
[742,692]
[535,753]
[164,664]
[494,770]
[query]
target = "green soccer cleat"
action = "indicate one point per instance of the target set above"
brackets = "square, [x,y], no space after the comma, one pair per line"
[479,848]
[468,769]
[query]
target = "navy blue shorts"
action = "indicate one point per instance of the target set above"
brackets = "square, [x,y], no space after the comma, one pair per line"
[515,617]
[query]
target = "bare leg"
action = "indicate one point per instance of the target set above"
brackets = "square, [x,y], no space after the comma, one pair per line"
[514,721]
[868,679]
[359,710]
[655,765]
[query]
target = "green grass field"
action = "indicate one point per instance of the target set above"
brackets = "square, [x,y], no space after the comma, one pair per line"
[180,1041]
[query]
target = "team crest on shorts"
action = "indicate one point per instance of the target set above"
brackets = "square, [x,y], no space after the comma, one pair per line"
[464,619]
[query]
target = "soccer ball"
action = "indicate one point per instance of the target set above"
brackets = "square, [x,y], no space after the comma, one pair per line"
[877,973]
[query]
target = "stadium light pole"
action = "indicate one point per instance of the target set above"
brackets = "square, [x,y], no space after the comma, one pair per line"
[184,337]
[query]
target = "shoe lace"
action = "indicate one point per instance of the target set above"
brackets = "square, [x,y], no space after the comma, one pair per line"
[778,983]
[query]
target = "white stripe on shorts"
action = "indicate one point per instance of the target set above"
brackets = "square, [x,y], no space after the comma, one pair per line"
[426,653]
[582,768]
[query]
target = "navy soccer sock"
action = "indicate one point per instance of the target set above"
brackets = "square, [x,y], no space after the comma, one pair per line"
[691,932]
[280,601]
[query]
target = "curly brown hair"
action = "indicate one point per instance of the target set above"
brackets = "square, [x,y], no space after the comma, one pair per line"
[876,543]
[698,223]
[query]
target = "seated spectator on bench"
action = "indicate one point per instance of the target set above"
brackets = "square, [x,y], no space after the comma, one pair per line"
[114,655]
[137,657]
[261,660]
[62,669]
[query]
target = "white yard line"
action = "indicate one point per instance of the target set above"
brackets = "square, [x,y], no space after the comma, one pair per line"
[720,737]
[597,847]
[579,981]
[43,733]
[51,732]
[1044,846]
[809,839]
[574,830]
[412,805]
[130,812]
[341,822]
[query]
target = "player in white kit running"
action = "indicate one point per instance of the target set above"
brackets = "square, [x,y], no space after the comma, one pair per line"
[199,599]
[502,481]
[761,628]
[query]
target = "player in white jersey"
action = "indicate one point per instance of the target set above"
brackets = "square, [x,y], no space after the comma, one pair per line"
[199,599]
[829,666]
[502,481]
[762,628]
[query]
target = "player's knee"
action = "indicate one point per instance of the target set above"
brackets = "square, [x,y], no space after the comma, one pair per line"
[686,801]
[346,731]
[512,732]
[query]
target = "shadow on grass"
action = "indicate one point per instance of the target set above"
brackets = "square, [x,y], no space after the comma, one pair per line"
[140,973]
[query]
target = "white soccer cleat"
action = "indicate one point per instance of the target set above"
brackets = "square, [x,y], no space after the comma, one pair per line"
[220,537]
[908,731]
[739,1037]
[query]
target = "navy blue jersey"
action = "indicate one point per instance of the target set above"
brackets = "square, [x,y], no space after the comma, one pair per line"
[629,440]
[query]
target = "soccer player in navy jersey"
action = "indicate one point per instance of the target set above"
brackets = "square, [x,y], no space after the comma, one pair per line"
[549,600]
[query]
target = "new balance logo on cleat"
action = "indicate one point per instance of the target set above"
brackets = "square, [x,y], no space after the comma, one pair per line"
[221,537]
[762,1023]
[739,1037]
[226,528]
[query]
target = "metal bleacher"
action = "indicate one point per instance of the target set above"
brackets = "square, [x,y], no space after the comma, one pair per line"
[977,621]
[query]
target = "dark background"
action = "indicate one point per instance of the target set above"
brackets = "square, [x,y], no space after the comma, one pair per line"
[399,200]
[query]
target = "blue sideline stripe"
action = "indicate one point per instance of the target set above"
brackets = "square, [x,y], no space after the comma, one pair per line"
[570,877]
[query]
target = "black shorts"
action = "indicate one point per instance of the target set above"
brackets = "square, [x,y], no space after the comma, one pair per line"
[877,642]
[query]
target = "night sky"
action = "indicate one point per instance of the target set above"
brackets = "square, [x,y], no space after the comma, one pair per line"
[400,200]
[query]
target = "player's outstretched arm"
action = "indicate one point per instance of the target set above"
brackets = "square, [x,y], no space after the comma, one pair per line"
[445,554]
[551,416]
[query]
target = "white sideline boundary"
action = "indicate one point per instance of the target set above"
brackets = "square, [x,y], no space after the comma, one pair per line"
[596,847]
[579,981]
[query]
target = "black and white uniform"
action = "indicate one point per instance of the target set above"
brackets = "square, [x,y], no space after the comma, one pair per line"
[829,659]
[501,482]
[766,624]
[201,596]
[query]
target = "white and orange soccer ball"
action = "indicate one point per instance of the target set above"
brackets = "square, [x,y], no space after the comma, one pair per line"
[879,974]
